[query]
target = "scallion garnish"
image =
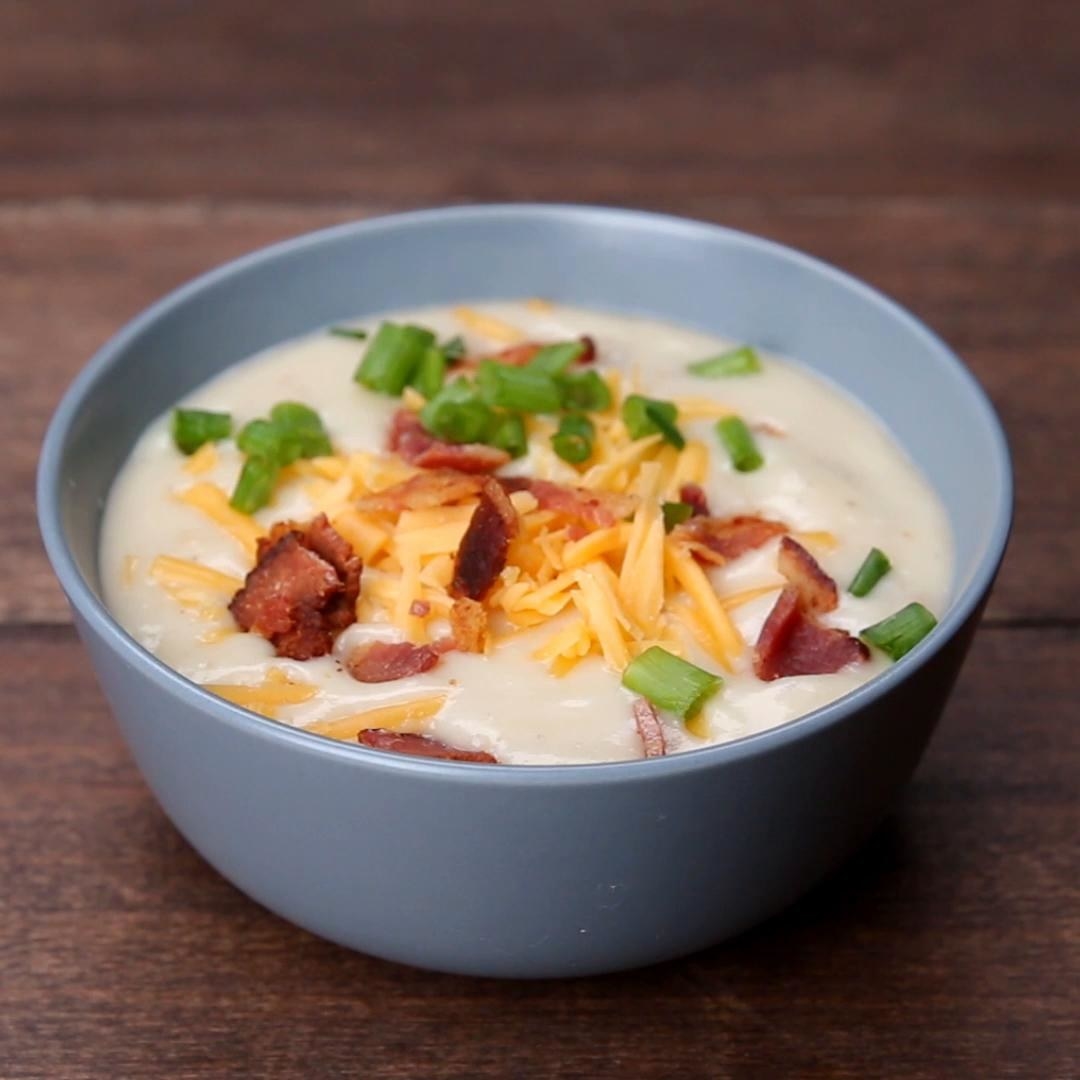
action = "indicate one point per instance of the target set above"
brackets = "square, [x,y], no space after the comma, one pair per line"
[457,414]
[875,566]
[584,391]
[669,682]
[262,438]
[454,349]
[666,427]
[191,428]
[901,632]
[641,416]
[739,443]
[430,373]
[521,389]
[393,357]
[555,359]
[509,435]
[573,442]
[741,361]
[675,513]
[300,424]
[255,486]
[349,332]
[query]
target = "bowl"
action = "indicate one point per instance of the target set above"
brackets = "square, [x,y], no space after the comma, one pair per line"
[528,871]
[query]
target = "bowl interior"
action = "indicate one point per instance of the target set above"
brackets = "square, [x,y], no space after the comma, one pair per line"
[685,272]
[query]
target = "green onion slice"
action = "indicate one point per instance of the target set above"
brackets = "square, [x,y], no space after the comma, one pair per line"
[573,442]
[301,425]
[584,391]
[555,359]
[669,682]
[255,485]
[901,632]
[675,513]
[191,428]
[875,566]
[666,427]
[454,349]
[643,416]
[741,361]
[509,435]
[457,414]
[348,332]
[520,389]
[430,373]
[393,357]
[739,443]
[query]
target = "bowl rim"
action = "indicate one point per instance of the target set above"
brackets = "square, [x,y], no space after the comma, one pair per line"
[98,618]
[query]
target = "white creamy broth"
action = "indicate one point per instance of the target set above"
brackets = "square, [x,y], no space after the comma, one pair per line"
[829,467]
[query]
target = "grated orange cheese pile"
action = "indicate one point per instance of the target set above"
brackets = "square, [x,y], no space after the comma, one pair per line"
[611,593]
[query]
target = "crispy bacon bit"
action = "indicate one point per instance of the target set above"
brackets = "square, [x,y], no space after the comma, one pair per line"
[793,642]
[386,661]
[694,496]
[302,591]
[593,509]
[405,742]
[719,540]
[649,728]
[589,355]
[767,427]
[481,555]
[425,491]
[421,609]
[469,626]
[419,447]
[817,591]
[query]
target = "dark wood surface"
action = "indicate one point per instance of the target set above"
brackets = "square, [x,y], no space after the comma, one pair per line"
[933,149]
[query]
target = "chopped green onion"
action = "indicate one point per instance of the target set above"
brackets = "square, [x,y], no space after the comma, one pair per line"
[669,682]
[666,427]
[301,425]
[742,361]
[640,416]
[430,373]
[348,332]
[898,634]
[255,486]
[739,443]
[454,349]
[456,414]
[191,428]
[509,435]
[875,566]
[675,513]
[555,359]
[264,439]
[392,357]
[585,391]
[520,389]
[573,442]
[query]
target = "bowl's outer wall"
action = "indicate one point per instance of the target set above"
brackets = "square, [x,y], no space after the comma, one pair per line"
[538,874]
[522,881]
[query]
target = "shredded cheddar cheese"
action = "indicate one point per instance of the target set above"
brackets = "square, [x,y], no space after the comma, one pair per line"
[406,716]
[204,460]
[488,326]
[214,503]
[274,692]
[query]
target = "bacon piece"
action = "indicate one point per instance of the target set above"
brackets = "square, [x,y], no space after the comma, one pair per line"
[649,728]
[409,438]
[481,556]
[593,509]
[817,591]
[589,355]
[387,661]
[405,742]
[468,625]
[425,491]
[694,496]
[719,540]
[793,642]
[302,590]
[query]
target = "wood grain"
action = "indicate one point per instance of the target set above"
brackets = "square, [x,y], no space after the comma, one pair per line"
[929,148]
[76,272]
[943,948]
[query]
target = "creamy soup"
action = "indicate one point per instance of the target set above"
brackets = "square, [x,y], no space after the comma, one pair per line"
[576,601]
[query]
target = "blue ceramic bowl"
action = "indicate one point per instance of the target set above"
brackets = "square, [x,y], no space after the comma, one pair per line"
[524,870]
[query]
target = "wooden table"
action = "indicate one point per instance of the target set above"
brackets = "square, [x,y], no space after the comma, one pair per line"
[933,149]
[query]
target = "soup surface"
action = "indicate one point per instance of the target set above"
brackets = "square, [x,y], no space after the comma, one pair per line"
[579,594]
